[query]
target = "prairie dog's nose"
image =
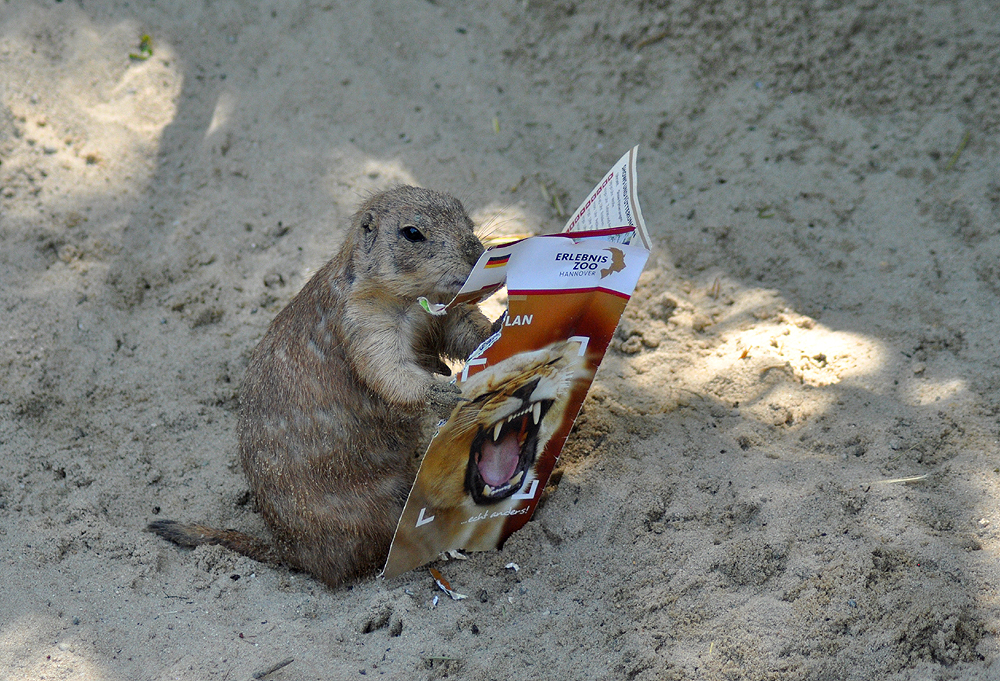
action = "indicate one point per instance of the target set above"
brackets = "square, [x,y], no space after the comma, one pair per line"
[472,248]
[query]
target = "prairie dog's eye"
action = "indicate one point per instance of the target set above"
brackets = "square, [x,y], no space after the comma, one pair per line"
[412,234]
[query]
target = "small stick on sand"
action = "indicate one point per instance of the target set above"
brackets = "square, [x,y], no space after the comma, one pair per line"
[649,41]
[912,478]
[557,204]
[273,668]
[958,152]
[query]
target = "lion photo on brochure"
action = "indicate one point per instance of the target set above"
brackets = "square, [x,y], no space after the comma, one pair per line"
[487,471]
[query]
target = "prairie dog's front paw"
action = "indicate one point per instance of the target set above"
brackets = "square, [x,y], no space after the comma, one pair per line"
[442,398]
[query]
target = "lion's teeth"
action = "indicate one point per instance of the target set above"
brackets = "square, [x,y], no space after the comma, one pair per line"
[487,491]
[496,431]
[516,480]
[536,412]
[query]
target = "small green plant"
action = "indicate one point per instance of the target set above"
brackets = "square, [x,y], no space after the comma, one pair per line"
[145,49]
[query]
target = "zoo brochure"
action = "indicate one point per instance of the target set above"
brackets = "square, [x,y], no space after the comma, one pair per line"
[483,473]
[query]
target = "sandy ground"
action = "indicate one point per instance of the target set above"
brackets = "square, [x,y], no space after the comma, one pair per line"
[819,318]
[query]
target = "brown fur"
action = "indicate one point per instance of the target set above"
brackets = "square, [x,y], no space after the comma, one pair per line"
[335,393]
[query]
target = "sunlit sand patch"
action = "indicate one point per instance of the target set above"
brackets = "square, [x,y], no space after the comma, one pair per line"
[142,102]
[24,655]
[15,638]
[62,664]
[224,107]
[353,176]
[103,113]
[386,173]
[814,354]
[496,223]
[922,391]
[769,360]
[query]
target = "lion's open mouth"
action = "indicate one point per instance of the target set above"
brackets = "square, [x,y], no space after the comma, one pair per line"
[501,455]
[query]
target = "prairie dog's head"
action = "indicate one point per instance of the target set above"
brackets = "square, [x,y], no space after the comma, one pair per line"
[414,242]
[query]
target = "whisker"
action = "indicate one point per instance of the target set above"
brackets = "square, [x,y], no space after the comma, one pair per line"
[486,229]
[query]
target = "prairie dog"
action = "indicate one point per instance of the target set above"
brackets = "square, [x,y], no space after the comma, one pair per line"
[336,391]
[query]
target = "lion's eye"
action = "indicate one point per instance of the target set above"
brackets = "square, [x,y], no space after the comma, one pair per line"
[485,397]
[412,234]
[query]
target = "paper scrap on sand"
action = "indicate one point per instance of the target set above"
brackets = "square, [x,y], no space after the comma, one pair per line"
[486,467]
[443,584]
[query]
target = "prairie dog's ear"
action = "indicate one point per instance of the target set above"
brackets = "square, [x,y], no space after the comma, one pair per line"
[368,221]
[369,230]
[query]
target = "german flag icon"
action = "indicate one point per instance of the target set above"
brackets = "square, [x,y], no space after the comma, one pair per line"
[497,261]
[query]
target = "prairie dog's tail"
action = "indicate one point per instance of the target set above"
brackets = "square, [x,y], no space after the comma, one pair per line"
[192,534]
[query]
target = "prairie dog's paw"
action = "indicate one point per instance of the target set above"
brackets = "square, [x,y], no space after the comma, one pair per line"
[442,398]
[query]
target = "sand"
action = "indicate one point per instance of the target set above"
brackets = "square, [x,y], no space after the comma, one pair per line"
[817,322]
